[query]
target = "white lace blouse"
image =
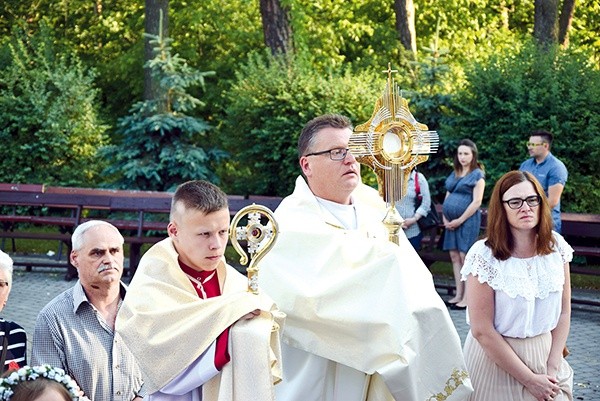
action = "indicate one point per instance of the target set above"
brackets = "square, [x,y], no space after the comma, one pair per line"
[528,292]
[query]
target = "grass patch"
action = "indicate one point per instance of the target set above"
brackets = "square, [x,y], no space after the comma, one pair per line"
[33,246]
[442,269]
[585,281]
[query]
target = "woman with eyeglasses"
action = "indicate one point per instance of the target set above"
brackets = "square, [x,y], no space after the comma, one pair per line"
[13,339]
[519,303]
[461,212]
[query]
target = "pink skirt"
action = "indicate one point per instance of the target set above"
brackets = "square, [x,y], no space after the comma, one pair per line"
[491,383]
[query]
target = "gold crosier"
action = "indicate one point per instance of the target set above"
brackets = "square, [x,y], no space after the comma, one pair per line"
[259,238]
[392,143]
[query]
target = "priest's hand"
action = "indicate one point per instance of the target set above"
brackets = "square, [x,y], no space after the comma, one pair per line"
[250,315]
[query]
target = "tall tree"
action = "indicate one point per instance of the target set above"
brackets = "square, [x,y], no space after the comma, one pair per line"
[276,26]
[564,22]
[405,24]
[160,145]
[156,23]
[545,26]
[549,28]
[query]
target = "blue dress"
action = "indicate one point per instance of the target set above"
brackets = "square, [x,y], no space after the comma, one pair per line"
[461,196]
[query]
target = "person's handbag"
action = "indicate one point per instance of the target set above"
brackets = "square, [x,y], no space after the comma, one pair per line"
[432,218]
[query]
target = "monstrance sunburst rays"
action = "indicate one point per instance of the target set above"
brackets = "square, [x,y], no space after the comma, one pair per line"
[392,143]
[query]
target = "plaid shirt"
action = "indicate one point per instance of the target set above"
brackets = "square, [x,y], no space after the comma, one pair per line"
[406,205]
[71,334]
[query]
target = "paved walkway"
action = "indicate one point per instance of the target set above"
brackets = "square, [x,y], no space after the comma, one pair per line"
[32,290]
[583,342]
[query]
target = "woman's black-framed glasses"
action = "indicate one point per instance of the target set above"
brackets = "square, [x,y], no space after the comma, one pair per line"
[334,154]
[516,203]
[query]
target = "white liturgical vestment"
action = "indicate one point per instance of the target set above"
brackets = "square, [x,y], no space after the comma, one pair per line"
[359,308]
[170,331]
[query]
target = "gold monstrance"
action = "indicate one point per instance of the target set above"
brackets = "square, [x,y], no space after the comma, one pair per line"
[259,238]
[392,143]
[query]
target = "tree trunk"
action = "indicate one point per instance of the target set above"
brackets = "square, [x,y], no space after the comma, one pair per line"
[276,27]
[545,28]
[152,25]
[564,22]
[405,24]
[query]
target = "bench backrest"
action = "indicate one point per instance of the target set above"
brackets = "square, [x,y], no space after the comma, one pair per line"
[581,224]
[113,200]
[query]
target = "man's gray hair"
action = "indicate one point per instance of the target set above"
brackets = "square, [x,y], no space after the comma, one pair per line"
[6,264]
[78,234]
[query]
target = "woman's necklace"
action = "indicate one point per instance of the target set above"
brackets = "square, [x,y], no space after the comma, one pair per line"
[526,260]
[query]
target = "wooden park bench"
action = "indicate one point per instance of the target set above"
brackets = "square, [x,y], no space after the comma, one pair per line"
[141,216]
[581,230]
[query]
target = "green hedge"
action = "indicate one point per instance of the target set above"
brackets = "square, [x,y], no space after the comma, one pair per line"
[266,109]
[516,92]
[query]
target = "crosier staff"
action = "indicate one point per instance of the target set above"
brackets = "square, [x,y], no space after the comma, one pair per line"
[259,237]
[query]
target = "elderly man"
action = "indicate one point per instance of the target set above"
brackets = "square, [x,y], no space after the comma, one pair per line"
[548,170]
[76,330]
[364,320]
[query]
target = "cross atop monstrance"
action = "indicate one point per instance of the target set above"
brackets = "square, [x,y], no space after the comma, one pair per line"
[389,71]
[392,143]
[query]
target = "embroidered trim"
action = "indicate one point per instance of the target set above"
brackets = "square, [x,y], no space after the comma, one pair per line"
[457,379]
[529,278]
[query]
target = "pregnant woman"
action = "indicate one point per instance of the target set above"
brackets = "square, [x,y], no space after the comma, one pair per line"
[461,214]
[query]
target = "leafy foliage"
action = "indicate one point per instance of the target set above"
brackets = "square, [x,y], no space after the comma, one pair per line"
[268,105]
[337,32]
[514,93]
[105,35]
[430,100]
[159,140]
[584,33]
[48,116]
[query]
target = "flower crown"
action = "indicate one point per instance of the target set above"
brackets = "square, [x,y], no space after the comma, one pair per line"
[8,383]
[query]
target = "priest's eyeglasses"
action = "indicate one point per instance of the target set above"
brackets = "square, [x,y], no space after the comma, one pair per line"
[517,203]
[334,154]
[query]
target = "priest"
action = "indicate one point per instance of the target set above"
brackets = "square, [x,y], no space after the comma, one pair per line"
[364,321]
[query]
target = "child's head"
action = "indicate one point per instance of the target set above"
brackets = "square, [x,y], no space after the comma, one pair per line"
[199,224]
[41,389]
[39,383]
